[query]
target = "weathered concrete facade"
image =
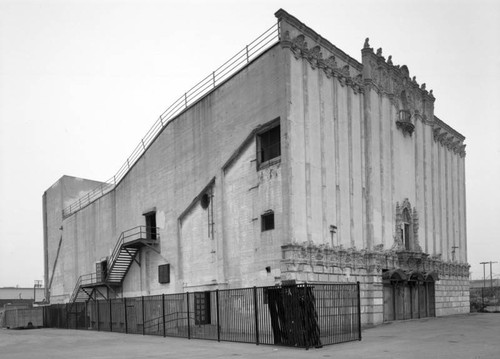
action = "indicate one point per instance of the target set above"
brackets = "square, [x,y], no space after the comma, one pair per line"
[367,181]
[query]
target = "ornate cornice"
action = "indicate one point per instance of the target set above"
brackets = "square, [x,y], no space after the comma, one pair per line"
[449,138]
[314,56]
[308,257]
[390,78]
[284,17]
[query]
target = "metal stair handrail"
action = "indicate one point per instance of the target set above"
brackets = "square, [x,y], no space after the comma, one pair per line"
[76,290]
[202,88]
[138,232]
[84,279]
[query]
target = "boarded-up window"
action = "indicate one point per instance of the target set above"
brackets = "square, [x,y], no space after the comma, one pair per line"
[164,273]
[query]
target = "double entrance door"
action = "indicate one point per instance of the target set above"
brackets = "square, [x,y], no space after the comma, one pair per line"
[408,299]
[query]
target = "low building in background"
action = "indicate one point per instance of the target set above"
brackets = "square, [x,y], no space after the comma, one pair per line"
[294,163]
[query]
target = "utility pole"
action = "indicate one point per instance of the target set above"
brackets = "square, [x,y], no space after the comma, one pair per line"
[491,275]
[484,273]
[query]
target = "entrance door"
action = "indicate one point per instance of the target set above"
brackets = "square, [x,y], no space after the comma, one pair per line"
[388,302]
[150,225]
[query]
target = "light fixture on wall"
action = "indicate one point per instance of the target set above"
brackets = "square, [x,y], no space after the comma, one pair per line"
[333,230]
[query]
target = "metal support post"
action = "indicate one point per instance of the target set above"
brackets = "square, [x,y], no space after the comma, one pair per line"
[85,320]
[126,316]
[110,316]
[143,328]
[98,319]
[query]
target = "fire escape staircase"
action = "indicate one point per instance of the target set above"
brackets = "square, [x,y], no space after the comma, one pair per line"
[111,273]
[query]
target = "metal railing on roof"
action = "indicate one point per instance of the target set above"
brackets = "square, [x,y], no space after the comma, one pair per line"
[202,88]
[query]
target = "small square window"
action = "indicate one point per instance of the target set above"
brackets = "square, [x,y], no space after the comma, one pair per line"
[267,221]
[164,273]
[269,145]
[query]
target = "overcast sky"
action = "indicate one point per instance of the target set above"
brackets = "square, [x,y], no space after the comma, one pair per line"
[81,82]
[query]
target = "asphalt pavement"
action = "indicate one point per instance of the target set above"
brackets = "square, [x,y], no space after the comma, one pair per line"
[474,336]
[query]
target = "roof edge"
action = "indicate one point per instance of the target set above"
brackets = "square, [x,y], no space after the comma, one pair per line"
[282,15]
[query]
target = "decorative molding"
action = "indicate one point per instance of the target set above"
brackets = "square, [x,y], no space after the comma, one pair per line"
[309,257]
[452,140]
[287,19]
[314,57]
[398,244]
[406,126]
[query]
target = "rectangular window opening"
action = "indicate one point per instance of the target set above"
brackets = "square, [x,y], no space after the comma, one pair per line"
[269,145]
[267,221]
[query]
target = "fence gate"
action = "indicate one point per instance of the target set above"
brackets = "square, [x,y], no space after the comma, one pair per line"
[294,319]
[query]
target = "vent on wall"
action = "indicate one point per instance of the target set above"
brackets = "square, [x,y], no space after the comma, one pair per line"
[164,273]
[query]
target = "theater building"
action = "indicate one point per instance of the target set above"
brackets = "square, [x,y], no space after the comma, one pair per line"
[303,164]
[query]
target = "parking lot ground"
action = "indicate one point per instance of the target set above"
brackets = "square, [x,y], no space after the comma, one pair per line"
[475,336]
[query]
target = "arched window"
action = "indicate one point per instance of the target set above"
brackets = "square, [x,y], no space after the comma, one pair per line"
[406,228]
[406,231]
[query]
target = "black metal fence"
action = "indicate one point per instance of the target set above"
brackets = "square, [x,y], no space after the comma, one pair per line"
[485,299]
[303,315]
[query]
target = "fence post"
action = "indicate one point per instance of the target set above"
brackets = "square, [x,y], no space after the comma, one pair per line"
[143,326]
[218,324]
[125,313]
[67,316]
[482,299]
[98,318]
[306,317]
[110,316]
[359,310]
[189,327]
[256,312]
[163,313]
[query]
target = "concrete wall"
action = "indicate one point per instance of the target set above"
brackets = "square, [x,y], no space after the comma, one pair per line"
[248,194]
[351,164]
[325,158]
[22,293]
[423,167]
[183,160]
[61,194]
